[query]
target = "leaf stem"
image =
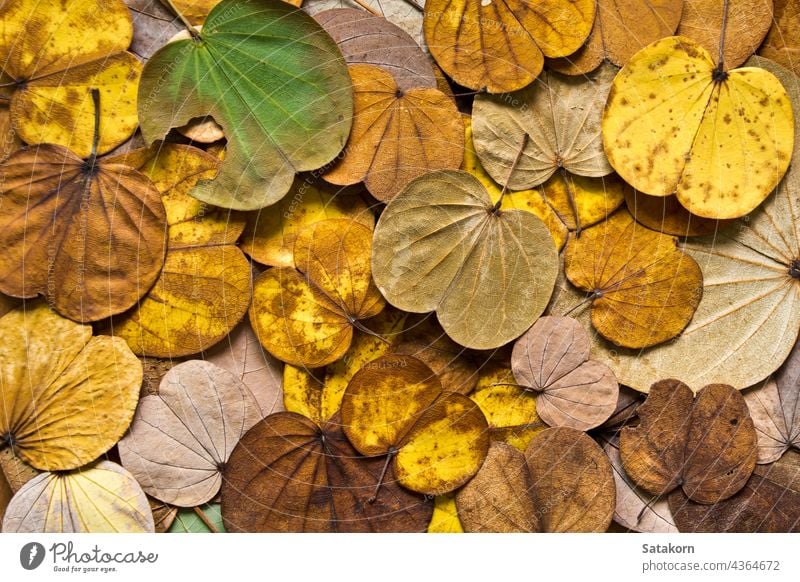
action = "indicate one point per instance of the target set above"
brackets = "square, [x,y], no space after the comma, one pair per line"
[204,518]
[523,386]
[184,21]
[719,72]
[364,329]
[496,207]
[368,8]
[389,456]
[92,159]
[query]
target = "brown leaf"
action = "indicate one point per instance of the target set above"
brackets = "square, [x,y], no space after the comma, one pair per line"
[372,40]
[397,135]
[769,502]
[288,474]
[782,43]
[748,23]
[562,483]
[89,237]
[668,216]
[706,447]
[181,438]
[552,359]
[242,354]
[153,26]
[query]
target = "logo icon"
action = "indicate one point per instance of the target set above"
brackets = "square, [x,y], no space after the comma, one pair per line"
[31,555]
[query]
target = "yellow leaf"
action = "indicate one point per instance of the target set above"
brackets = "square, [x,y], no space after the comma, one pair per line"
[643,290]
[270,234]
[434,440]
[205,287]
[66,397]
[501,46]
[445,516]
[57,52]
[102,498]
[721,140]
[306,317]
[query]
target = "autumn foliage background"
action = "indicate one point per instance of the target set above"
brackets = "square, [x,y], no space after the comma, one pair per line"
[384,267]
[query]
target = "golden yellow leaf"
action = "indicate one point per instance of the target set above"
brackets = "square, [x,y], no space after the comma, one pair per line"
[205,287]
[435,440]
[666,215]
[65,397]
[302,392]
[306,317]
[270,234]
[101,498]
[56,52]
[675,123]
[397,135]
[445,515]
[643,290]
[501,46]
[509,409]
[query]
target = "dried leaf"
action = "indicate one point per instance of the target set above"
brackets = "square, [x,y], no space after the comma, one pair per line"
[181,438]
[267,144]
[783,39]
[65,397]
[153,26]
[747,23]
[552,360]
[499,46]
[562,483]
[749,317]
[636,509]
[775,408]
[674,124]
[440,246]
[100,498]
[372,40]
[306,317]
[666,215]
[270,234]
[643,289]
[397,134]
[88,236]
[560,117]
[204,289]
[241,354]
[403,14]
[56,52]
[445,515]
[770,502]
[707,446]
[288,474]
[435,440]
[621,28]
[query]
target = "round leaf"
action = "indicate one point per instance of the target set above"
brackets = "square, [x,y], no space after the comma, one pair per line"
[721,140]
[181,438]
[101,498]
[65,397]
[280,116]
[439,246]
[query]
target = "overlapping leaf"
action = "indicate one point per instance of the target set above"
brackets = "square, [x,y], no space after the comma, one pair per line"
[782,43]
[182,437]
[65,397]
[707,446]
[552,360]
[305,317]
[289,474]
[397,134]
[562,483]
[280,116]
[56,52]
[100,498]
[88,235]
[440,245]
[501,46]
[676,123]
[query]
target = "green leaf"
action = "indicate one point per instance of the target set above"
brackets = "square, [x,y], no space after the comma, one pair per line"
[189,520]
[272,78]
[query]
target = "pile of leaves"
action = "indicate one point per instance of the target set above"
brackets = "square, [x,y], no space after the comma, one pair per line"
[380,267]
